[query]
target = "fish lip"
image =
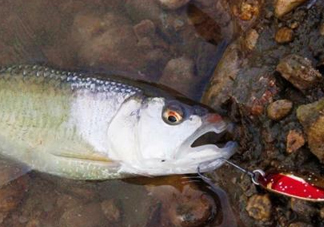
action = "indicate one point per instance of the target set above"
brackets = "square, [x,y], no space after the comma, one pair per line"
[210,123]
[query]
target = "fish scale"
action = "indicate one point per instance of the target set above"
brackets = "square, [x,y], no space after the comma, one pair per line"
[24,92]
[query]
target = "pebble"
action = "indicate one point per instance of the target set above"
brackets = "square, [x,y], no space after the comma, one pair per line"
[312,118]
[247,10]
[279,109]
[295,140]
[284,35]
[283,7]
[300,224]
[173,4]
[251,39]
[299,72]
[259,207]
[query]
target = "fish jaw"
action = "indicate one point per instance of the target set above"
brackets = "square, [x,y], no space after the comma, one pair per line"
[187,158]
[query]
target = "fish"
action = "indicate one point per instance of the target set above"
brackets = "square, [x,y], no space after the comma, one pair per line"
[96,127]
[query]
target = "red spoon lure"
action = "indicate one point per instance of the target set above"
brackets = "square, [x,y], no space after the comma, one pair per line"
[287,184]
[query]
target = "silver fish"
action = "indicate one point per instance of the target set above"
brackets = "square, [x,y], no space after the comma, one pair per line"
[92,127]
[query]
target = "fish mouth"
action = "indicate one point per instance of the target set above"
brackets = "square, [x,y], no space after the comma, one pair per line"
[211,142]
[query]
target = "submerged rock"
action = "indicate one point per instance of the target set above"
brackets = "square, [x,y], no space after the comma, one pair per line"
[173,4]
[180,72]
[279,109]
[311,116]
[299,71]
[259,207]
[283,7]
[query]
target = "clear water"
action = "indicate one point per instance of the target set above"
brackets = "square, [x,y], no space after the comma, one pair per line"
[138,39]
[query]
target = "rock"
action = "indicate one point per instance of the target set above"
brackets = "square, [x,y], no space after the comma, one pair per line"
[87,216]
[279,109]
[259,207]
[179,74]
[111,210]
[283,7]
[302,208]
[109,42]
[173,4]
[295,140]
[311,116]
[247,10]
[300,224]
[183,204]
[251,39]
[321,29]
[284,35]
[299,71]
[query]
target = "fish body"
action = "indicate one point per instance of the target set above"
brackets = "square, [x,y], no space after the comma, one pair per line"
[92,127]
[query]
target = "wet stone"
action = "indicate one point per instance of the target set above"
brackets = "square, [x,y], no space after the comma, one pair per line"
[295,140]
[180,72]
[299,71]
[111,210]
[173,4]
[311,116]
[284,35]
[279,109]
[259,207]
[283,7]
[251,39]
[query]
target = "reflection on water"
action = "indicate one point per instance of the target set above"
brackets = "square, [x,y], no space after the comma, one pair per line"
[139,39]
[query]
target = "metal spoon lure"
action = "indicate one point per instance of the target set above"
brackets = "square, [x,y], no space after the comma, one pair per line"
[287,184]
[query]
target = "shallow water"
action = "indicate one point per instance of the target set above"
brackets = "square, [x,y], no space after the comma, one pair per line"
[138,39]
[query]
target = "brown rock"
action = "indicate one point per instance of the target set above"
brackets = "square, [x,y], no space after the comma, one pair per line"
[299,71]
[88,216]
[111,210]
[259,207]
[311,116]
[247,10]
[173,4]
[321,29]
[279,109]
[251,39]
[283,7]
[179,74]
[295,140]
[284,35]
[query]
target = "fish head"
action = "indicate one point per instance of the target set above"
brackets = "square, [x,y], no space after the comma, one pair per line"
[165,132]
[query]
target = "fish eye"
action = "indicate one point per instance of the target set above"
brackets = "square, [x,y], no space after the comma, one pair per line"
[173,115]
